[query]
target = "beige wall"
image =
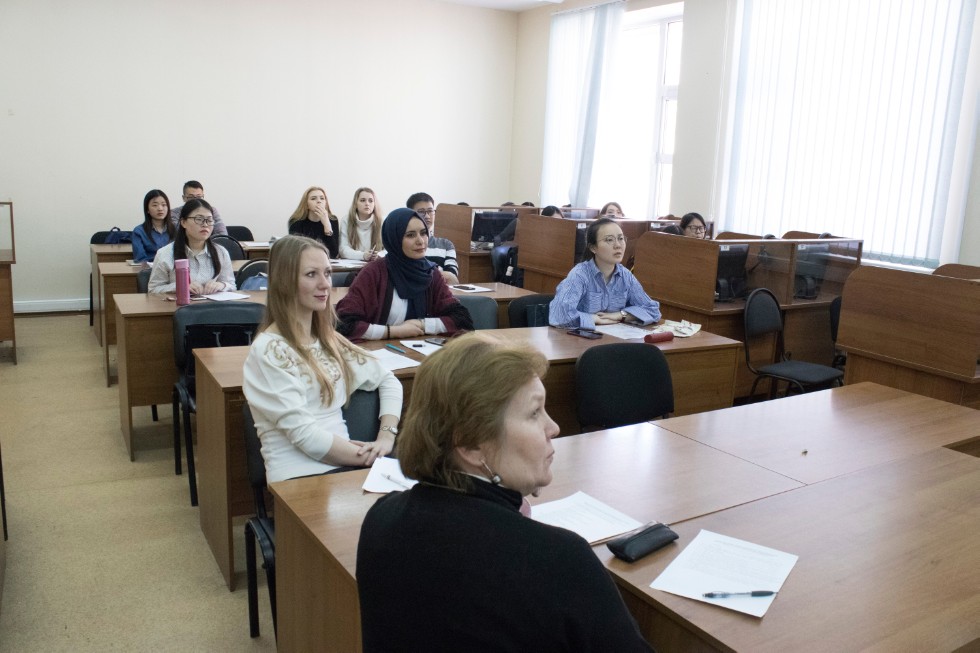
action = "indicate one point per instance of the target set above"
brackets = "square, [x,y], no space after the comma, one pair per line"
[103,100]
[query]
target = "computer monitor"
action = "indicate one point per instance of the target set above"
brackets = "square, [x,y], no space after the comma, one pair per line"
[731,281]
[489,224]
[811,267]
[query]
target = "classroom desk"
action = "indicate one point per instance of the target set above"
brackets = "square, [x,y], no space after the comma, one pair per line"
[702,367]
[255,249]
[840,430]
[104,254]
[642,470]
[888,561]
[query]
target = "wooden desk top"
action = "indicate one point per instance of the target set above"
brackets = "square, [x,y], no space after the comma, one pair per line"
[145,305]
[842,430]
[642,470]
[498,291]
[888,561]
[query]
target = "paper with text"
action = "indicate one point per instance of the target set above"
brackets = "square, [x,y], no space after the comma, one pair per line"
[624,331]
[718,563]
[225,296]
[590,518]
[386,476]
[420,347]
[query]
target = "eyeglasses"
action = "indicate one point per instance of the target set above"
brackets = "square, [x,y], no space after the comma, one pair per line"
[697,230]
[426,212]
[610,240]
[202,221]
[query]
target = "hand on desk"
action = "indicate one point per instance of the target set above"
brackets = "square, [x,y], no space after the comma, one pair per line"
[408,329]
[608,318]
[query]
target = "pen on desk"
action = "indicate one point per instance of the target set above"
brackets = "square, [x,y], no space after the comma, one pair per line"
[394,348]
[728,595]
[396,481]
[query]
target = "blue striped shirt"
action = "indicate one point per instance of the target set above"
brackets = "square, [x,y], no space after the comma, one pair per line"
[584,293]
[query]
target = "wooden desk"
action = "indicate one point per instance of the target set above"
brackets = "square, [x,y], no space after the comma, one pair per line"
[888,561]
[917,332]
[7,259]
[255,249]
[641,470]
[841,430]
[702,368]
[501,293]
[958,271]
[145,353]
[104,254]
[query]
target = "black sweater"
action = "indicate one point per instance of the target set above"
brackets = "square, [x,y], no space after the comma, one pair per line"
[439,570]
[314,230]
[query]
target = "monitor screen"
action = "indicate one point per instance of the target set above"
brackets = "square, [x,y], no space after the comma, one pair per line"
[731,282]
[489,224]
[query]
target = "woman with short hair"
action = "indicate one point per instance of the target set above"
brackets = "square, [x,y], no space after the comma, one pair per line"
[454,564]
[693,226]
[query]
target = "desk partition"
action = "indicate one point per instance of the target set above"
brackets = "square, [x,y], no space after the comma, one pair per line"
[917,332]
[455,222]
[958,271]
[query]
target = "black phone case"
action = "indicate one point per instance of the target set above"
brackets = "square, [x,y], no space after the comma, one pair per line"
[634,545]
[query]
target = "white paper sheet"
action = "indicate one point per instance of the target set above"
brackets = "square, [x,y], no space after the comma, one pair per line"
[392,361]
[347,262]
[386,476]
[468,288]
[624,331]
[590,518]
[682,329]
[420,347]
[225,296]
[718,563]
[256,243]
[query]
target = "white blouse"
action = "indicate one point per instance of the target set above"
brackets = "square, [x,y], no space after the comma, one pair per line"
[296,429]
[163,279]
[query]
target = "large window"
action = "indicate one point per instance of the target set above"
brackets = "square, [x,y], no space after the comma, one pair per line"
[612,107]
[846,121]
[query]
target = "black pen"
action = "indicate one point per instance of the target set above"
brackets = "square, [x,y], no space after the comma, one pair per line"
[728,595]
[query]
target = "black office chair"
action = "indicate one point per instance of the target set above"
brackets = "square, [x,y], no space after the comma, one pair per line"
[215,324]
[840,357]
[240,233]
[361,415]
[98,238]
[143,281]
[251,269]
[483,310]
[342,279]
[622,383]
[503,260]
[234,247]
[529,311]
[762,318]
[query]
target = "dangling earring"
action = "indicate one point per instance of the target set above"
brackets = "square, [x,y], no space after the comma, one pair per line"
[494,478]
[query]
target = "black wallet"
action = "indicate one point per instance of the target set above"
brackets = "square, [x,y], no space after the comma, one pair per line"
[634,545]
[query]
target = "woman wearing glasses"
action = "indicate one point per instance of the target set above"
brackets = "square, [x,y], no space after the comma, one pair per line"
[694,226]
[599,290]
[209,264]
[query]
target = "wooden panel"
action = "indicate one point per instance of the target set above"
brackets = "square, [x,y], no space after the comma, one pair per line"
[6,304]
[958,271]
[546,250]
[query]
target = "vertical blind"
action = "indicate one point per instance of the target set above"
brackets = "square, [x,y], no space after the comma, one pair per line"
[845,120]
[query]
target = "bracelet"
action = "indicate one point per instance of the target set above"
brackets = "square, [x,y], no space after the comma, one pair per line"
[387,333]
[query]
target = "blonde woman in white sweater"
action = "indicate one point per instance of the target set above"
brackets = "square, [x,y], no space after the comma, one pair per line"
[360,233]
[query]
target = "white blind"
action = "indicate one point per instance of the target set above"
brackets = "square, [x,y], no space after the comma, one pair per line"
[845,120]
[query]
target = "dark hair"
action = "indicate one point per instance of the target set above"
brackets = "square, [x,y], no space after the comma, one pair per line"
[551,209]
[415,198]
[527,204]
[672,229]
[592,237]
[180,239]
[462,204]
[192,184]
[148,221]
[691,217]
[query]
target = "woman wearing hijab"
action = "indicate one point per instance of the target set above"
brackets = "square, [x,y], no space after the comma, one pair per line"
[401,295]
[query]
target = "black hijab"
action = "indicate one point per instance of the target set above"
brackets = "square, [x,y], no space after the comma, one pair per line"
[410,276]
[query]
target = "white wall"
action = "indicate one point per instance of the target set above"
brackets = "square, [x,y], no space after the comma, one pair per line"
[102,100]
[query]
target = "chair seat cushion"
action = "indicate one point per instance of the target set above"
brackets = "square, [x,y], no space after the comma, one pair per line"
[805,373]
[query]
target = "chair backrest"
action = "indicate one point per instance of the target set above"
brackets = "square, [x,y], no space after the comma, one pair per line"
[98,238]
[483,310]
[342,279]
[143,280]
[234,248]
[362,415]
[251,269]
[622,383]
[834,318]
[240,233]
[215,324]
[529,311]
[761,318]
[254,461]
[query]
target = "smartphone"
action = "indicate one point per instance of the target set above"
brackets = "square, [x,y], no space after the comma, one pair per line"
[464,287]
[584,333]
[436,341]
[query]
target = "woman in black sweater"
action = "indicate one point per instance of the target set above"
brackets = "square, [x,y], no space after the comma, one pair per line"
[313,219]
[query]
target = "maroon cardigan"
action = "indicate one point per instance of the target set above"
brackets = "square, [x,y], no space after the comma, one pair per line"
[368,301]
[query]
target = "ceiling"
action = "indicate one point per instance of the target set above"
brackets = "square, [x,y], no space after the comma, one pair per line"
[506,5]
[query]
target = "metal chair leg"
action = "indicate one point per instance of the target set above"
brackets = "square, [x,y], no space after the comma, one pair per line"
[189,448]
[253,584]
[177,469]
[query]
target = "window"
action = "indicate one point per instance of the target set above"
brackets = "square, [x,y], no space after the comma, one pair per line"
[846,120]
[612,107]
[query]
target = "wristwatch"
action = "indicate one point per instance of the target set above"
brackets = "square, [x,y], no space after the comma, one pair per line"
[624,314]
[392,429]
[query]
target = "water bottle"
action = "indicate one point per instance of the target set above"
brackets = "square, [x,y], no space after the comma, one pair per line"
[183,274]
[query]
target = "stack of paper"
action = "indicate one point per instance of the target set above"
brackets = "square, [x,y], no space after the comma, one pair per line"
[590,518]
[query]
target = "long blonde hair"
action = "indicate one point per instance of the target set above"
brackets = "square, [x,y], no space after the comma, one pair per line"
[303,210]
[284,260]
[352,237]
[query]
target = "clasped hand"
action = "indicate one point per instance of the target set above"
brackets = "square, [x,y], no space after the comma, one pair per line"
[408,329]
[608,318]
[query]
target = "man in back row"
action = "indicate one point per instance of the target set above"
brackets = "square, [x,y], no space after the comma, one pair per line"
[441,251]
[194,190]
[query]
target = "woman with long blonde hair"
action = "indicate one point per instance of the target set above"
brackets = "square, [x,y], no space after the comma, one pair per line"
[314,219]
[300,372]
[360,235]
